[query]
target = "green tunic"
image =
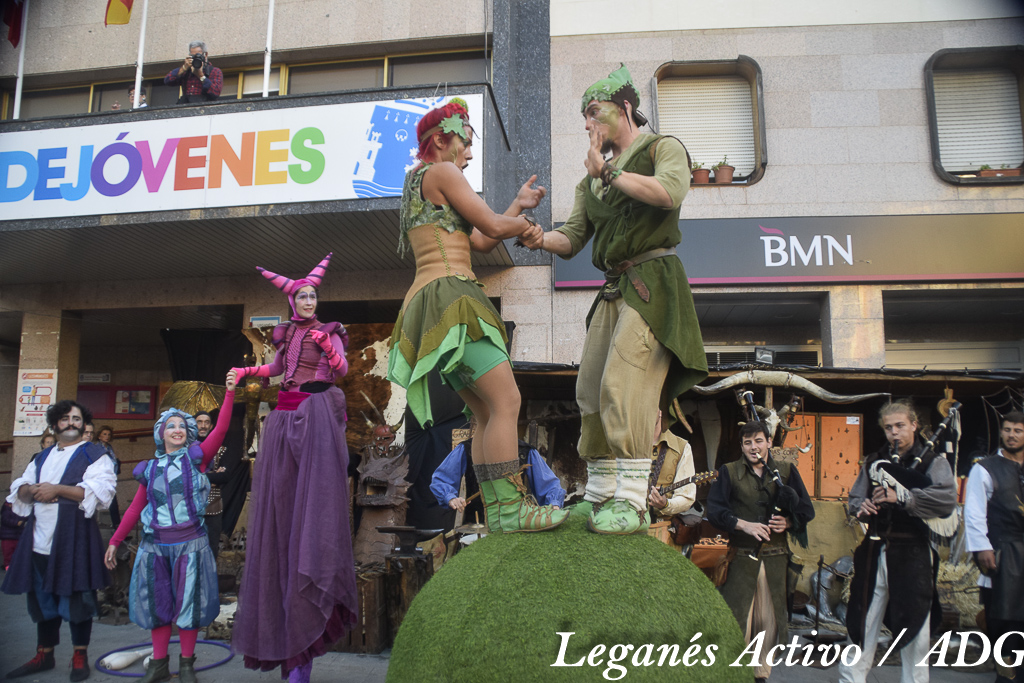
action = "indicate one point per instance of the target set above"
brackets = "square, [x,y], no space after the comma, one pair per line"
[444,315]
[623,228]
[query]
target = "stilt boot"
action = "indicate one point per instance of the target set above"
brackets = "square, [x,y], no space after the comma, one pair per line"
[520,512]
[491,515]
[601,481]
[626,513]
[301,674]
[186,669]
[158,670]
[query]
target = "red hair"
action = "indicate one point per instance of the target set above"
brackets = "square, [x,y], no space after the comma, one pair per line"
[433,118]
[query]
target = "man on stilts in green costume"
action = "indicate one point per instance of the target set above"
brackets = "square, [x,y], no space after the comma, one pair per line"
[643,345]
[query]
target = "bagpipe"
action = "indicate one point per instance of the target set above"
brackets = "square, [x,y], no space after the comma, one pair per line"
[893,474]
[775,504]
[783,496]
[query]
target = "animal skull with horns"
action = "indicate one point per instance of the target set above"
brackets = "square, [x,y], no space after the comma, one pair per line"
[783,380]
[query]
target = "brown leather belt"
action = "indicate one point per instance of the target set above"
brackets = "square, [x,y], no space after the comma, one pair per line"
[629,268]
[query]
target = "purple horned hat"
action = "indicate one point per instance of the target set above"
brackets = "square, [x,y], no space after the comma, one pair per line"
[289,286]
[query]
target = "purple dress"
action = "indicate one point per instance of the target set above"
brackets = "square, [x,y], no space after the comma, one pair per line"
[298,592]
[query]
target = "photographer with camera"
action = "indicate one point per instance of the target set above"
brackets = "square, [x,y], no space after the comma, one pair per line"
[200,80]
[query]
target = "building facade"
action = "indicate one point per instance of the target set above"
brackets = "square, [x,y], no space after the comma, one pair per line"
[854,234]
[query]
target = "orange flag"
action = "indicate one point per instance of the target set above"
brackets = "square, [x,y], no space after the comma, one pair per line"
[118,12]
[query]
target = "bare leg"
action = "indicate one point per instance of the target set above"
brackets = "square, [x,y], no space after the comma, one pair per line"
[495,401]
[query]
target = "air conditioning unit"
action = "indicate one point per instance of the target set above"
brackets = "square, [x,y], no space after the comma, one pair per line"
[785,354]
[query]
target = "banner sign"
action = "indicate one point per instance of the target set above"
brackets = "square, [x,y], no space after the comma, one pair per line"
[742,251]
[302,154]
[37,391]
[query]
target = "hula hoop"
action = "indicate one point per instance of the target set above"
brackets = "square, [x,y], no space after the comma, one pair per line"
[100,667]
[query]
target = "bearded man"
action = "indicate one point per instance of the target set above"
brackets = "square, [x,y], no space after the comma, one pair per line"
[59,562]
[994,515]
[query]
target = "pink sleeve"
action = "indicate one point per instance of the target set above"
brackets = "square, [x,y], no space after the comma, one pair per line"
[211,444]
[336,356]
[272,370]
[130,517]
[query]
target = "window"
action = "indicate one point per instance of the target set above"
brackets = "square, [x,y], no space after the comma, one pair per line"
[974,98]
[229,90]
[252,83]
[105,96]
[469,67]
[337,76]
[60,102]
[715,109]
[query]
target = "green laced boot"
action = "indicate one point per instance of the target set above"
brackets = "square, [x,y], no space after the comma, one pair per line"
[618,518]
[187,669]
[492,516]
[157,671]
[516,511]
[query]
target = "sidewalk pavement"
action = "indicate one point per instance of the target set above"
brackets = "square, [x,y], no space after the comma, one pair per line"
[18,641]
[18,645]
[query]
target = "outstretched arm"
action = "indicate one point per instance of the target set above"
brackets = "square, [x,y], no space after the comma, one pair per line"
[445,181]
[213,441]
[528,197]
[272,370]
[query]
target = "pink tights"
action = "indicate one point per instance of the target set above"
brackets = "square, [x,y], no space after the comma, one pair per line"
[162,637]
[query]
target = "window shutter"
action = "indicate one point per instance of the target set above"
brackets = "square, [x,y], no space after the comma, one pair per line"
[712,115]
[978,119]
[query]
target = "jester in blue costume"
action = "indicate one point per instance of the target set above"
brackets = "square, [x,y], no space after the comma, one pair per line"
[174,580]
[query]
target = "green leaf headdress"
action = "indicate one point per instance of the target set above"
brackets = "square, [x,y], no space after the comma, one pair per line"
[457,123]
[618,88]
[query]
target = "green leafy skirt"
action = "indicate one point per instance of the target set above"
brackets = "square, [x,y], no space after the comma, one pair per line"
[433,331]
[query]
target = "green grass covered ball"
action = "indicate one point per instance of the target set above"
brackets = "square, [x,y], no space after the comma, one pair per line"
[495,612]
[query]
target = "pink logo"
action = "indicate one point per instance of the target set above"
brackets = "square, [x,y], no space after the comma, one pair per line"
[771,231]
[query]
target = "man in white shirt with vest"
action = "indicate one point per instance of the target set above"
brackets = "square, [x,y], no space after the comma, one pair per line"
[59,563]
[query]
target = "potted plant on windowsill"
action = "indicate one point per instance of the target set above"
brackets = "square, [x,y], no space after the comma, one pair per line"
[701,175]
[723,171]
[986,171]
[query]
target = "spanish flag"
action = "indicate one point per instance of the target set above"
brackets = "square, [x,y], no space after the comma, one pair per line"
[118,12]
[13,11]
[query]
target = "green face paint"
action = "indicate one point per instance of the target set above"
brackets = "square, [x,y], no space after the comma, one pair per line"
[605,113]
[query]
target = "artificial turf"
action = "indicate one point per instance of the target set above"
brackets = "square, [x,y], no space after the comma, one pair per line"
[493,613]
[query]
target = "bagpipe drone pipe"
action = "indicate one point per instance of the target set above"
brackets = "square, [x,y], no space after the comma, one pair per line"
[893,474]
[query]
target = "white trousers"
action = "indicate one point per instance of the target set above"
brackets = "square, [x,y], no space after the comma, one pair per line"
[911,653]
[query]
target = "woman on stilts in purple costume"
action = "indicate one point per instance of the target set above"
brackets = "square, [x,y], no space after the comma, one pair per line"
[298,593]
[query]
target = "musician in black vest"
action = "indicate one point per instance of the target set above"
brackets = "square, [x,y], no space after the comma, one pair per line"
[901,561]
[995,534]
[747,501]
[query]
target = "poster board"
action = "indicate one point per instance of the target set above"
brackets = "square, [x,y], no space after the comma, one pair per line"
[119,402]
[37,391]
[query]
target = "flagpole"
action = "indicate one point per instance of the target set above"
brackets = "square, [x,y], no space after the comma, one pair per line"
[21,61]
[266,53]
[138,61]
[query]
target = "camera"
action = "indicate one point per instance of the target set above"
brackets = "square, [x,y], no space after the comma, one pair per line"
[197,60]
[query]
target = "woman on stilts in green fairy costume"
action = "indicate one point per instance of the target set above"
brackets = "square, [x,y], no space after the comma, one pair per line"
[447,322]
